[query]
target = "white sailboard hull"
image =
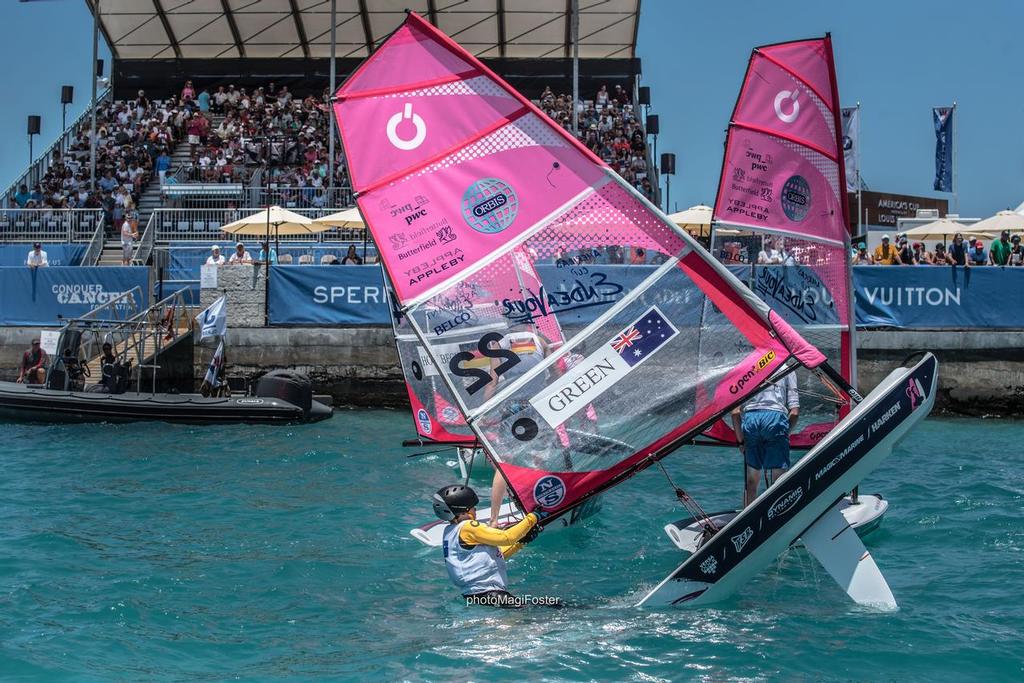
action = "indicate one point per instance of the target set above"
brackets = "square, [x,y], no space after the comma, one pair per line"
[802,497]
[864,516]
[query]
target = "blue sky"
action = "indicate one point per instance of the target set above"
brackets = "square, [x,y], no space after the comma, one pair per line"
[898,58]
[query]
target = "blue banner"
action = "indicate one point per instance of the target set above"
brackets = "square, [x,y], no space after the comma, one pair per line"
[328,295]
[939,297]
[56,254]
[41,296]
[943,119]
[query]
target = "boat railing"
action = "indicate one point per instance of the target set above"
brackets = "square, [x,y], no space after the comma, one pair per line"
[137,335]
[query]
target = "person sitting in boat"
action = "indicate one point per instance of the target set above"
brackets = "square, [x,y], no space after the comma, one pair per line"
[241,255]
[215,258]
[762,427]
[475,554]
[113,374]
[33,365]
[75,371]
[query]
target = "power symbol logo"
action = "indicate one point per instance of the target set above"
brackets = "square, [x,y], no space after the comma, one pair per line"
[780,99]
[407,144]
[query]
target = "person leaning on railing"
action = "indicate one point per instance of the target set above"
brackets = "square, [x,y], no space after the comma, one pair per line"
[37,257]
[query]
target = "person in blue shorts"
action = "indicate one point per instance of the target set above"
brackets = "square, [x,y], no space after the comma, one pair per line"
[762,427]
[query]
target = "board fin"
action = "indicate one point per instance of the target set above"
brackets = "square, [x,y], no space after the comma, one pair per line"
[835,544]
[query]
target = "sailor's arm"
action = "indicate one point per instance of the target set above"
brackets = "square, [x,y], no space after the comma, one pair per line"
[508,539]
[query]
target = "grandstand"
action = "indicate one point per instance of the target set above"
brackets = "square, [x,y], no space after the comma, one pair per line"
[220,107]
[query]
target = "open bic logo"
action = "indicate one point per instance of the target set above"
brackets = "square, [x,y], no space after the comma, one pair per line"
[549,491]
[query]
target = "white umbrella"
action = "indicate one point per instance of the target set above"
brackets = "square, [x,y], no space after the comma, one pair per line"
[283,221]
[941,229]
[349,218]
[695,219]
[1004,220]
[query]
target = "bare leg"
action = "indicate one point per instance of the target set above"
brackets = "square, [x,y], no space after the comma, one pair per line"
[497,495]
[775,474]
[750,490]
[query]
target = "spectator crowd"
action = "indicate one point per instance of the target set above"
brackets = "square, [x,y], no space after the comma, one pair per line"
[1005,251]
[609,126]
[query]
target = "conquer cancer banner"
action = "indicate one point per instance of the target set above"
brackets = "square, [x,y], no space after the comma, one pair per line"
[43,296]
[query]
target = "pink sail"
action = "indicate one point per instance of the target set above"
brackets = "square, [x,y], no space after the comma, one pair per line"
[782,200]
[563,408]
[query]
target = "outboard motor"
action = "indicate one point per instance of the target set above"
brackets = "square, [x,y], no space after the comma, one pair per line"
[287,385]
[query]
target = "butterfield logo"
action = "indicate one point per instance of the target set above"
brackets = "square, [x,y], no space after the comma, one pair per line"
[549,491]
[490,205]
[709,565]
[785,502]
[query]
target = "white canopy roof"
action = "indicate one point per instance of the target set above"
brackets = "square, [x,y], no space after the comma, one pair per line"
[209,29]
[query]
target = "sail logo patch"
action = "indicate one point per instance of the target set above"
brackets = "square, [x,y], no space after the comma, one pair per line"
[449,414]
[741,539]
[489,205]
[785,502]
[592,376]
[406,144]
[796,198]
[794,105]
[709,565]
[549,491]
[424,421]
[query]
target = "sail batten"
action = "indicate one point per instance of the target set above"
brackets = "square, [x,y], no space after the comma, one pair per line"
[571,375]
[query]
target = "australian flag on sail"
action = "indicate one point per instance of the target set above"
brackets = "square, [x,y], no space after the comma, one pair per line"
[943,117]
[645,336]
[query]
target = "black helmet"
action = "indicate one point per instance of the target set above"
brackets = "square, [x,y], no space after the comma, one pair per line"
[452,501]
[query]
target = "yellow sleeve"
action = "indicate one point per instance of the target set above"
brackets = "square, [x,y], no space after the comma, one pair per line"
[476,533]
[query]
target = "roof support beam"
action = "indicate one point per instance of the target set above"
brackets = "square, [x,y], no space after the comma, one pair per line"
[167,27]
[501,28]
[568,29]
[364,14]
[299,29]
[91,4]
[234,27]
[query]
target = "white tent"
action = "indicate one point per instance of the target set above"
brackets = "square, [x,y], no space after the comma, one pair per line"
[1004,220]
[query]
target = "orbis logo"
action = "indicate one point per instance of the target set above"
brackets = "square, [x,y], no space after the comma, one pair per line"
[489,205]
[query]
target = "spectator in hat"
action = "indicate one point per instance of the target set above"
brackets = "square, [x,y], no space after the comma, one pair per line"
[999,252]
[886,254]
[940,257]
[976,255]
[862,257]
[33,365]
[266,252]
[905,251]
[1016,257]
[36,257]
[351,257]
[240,255]
[957,252]
[215,258]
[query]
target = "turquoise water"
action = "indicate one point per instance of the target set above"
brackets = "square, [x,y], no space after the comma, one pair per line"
[156,552]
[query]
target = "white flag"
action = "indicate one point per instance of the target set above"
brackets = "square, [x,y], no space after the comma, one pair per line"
[213,372]
[213,322]
[851,130]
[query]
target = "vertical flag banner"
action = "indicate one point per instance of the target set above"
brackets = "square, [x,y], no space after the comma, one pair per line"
[213,322]
[851,129]
[943,117]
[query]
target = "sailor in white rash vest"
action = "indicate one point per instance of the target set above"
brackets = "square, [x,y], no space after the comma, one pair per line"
[474,553]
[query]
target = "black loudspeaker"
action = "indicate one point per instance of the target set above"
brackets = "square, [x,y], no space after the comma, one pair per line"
[668,164]
[99,68]
[645,94]
[67,94]
[652,124]
[34,124]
